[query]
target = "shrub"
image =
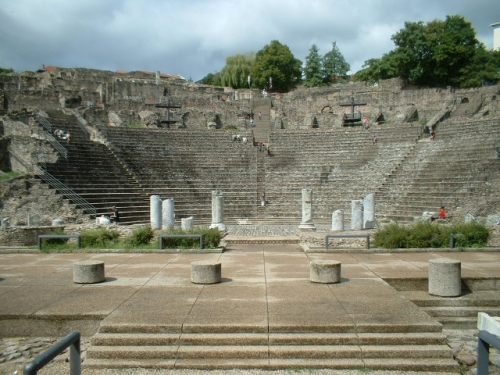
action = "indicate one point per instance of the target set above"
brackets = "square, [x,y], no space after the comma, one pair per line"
[140,236]
[427,234]
[211,238]
[56,241]
[101,237]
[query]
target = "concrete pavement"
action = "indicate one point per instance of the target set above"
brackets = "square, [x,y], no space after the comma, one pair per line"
[265,287]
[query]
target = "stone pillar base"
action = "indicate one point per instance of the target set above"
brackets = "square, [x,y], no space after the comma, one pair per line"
[88,272]
[307,227]
[445,277]
[220,226]
[205,272]
[325,271]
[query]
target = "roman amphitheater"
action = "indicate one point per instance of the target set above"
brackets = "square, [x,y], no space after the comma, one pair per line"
[140,134]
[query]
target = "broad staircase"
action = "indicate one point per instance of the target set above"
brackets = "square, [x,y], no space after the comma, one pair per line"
[262,125]
[378,347]
[94,172]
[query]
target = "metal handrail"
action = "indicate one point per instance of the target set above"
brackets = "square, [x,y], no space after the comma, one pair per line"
[71,341]
[48,127]
[80,123]
[82,203]
[43,121]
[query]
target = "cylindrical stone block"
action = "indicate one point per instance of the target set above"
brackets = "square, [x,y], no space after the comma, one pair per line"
[338,220]
[445,277]
[325,271]
[205,272]
[88,272]
[57,222]
[187,223]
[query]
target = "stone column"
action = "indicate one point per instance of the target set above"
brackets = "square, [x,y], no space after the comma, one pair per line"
[218,210]
[155,211]
[168,214]
[187,223]
[356,215]
[338,220]
[307,224]
[369,212]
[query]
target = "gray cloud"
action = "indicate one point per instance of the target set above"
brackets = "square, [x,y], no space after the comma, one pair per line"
[194,37]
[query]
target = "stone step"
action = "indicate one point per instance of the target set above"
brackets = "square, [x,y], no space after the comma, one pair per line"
[159,339]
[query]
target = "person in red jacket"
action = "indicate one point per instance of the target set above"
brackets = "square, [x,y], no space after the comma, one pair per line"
[442,213]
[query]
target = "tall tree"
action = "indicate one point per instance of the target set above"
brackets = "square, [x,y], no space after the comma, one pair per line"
[433,54]
[211,79]
[275,68]
[237,69]
[313,75]
[334,64]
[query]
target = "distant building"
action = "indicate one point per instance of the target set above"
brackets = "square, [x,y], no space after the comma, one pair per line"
[496,35]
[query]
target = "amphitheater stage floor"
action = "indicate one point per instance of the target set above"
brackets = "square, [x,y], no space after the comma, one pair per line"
[264,288]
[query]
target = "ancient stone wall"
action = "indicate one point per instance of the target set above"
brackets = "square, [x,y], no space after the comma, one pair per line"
[23,236]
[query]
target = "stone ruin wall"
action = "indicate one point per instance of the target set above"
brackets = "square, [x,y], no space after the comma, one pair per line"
[119,99]
[320,107]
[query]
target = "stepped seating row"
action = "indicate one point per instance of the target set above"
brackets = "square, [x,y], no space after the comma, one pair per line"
[91,163]
[445,169]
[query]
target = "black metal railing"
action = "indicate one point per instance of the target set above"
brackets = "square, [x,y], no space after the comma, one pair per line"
[80,202]
[71,341]
[48,127]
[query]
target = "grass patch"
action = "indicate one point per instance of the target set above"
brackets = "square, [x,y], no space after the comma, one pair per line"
[136,126]
[431,235]
[99,238]
[8,175]
[211,239]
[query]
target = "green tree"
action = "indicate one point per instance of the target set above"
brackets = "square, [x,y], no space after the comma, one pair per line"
[438,53]
[313,75]
[236,71]
[211,79]
[334,65]
[483,69]
[275,68]
[434,54]
[6,70]
[376,69]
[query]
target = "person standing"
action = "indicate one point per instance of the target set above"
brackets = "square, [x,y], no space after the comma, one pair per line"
[263,199]
[260,116]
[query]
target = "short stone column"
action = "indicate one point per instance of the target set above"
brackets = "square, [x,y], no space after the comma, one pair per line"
[205,272]
[356,215]
[325,271]
[187,223]
[33,220]
[218,210]
[155,211]
[445,277]
[307,211]
[338,220]
[57,222]
[88,272]
[168,214]
[369,211]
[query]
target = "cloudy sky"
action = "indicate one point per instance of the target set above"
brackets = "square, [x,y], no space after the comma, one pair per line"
[194,37]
